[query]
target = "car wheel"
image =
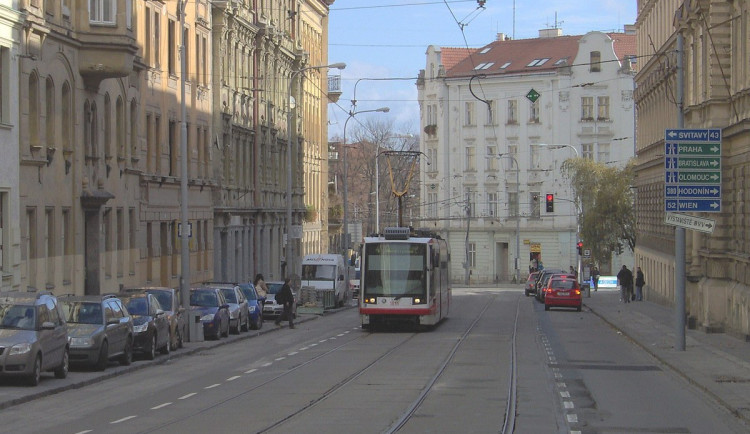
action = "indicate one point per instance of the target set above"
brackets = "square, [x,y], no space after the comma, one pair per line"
[546,307]
[236,329]
[127,354]
[101,362]
[36,373]
[225,333]
[578,308]
[62,370]
[167,345]
[151,354]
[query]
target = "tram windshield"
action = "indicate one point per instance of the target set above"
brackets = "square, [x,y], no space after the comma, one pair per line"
[394,269]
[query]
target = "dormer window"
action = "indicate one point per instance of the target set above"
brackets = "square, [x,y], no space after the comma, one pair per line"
[538,62]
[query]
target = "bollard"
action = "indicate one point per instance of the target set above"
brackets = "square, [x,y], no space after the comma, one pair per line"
[586,289]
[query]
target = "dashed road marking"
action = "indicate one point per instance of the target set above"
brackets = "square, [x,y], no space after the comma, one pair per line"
[572,418]
[565,394]
[122,420]
[293,353]
[250,371]
[568,404]
[166,404]
[280,359]
[265,365]
[212,386]
[233,378]
[187,396]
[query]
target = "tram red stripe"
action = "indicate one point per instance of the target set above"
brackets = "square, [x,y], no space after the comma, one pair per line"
[396,311]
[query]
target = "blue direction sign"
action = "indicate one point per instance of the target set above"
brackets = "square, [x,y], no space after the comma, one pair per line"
[692,170]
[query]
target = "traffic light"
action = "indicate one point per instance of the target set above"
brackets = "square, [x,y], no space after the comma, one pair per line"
[580,247]
[550,202]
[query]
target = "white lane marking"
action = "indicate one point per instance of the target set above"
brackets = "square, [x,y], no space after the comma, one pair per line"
[122,420]
[313,345]
[348,331]
[303,348]
[568,405]
[250,371]
[323,341]
[562,385]
[572,418]
[187,396]
[212,386]
[280,359]
[84,432]
[333,338]
[565,394]
[161,406]
[293,353]
[266,365]
[232,378]
[340,334]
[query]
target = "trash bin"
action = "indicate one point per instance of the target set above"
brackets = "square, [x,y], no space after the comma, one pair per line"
[196,327]
[586,289]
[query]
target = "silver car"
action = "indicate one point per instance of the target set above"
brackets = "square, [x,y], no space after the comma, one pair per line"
[271,309]
[33,336]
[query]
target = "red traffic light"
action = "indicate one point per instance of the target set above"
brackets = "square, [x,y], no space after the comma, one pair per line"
[550,197]
[580,244]
[550,202]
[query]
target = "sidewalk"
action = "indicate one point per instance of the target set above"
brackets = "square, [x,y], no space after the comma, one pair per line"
[718,364]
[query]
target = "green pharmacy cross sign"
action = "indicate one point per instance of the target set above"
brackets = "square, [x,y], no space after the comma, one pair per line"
[692,170]
[533,95]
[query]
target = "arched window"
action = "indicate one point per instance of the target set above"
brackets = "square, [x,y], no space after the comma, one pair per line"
[50,114]
[66,107]
[120,128]
[108,142]
[133,130]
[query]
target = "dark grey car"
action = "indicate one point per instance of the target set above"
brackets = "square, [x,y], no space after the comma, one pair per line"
[170,301]
[100,329]
[33,336]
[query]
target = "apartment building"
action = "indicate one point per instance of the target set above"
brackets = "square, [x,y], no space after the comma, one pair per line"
[498,122]
[713,86]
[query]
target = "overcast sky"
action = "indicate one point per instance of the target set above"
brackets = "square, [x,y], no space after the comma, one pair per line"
[387,39]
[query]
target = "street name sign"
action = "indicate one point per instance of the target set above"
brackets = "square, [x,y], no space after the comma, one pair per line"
[692,170]
[690,222]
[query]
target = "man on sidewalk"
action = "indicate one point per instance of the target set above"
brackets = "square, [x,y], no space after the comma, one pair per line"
[286,299]
[625,277]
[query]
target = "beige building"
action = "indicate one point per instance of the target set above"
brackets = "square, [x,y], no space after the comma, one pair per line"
[715,90]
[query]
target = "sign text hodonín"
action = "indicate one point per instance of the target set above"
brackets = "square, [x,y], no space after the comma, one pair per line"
[692,170]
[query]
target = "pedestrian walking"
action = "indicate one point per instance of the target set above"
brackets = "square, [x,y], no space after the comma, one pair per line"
[625,277]
[595,277]
[285,297]
[640,280]
[260,286]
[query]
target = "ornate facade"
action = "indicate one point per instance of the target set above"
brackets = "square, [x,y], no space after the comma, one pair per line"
[715,90]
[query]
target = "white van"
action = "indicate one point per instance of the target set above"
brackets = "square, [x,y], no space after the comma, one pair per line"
[326,271]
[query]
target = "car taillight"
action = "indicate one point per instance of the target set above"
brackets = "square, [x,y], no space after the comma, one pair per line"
[578,292]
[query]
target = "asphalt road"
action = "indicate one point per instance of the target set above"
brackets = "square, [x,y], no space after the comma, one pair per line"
[574,374]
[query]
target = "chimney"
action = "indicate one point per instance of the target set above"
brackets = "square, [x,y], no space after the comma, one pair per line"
[550,33]
[502,37]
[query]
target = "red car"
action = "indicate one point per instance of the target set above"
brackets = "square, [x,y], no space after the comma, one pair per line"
[562,292]
[530,286]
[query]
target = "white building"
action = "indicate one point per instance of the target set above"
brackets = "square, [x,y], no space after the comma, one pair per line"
[537,102]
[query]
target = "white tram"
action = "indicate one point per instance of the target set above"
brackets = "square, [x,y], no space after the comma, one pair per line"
[404,278]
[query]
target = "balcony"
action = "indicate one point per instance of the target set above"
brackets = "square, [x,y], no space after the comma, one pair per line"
[334,88]
[108,45]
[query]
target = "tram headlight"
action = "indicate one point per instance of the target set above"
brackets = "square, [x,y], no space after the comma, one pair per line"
[370,300]
[417,300]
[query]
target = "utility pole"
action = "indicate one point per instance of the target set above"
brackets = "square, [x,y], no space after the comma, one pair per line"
[467,264]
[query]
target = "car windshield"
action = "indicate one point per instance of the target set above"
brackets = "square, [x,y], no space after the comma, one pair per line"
[16,316]
[204,299]
[80,312]
[230,295]
[249,292]
[273,288]
[137,306]
[164,298]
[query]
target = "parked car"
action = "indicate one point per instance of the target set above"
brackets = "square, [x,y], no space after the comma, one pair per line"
[33,336]
[150,323]
[545,286]
[170,301]
[254,305]
[530,287]
[213,310]
[100,329]
[272,309]
[563,292]
[541,280]
[239,312]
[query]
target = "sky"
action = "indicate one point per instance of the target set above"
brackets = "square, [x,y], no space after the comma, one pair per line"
[383,43]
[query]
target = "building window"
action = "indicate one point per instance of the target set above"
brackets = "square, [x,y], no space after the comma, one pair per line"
[587,150]
[133,129]
[472,255]
[4,92]
[512,111]
[432,205]
[595,61]
[3,232]
[49,108]
[108,238]
[173,144]
[535,163]
[49,244]
[102,11]
[470,159]
[147,52]
[67,126]
[432,157]
[513,204]
[471,203]
[534,112]
[469,106]
[602,105]
[491,159]
[33,110]
[492,204]
[107,128]
[66,243]
[587,108]
[172,48]
[534,199]
[132,241]
[603,154]
[119,248]
[491,116]
[120,128]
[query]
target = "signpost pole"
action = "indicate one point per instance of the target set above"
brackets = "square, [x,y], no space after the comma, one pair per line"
[679,243]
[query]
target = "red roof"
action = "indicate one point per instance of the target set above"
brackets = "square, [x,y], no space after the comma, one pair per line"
[526,55]
[449,56]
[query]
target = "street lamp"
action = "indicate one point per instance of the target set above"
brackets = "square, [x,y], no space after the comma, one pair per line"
[578,209]
[346,174]
[290,258]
